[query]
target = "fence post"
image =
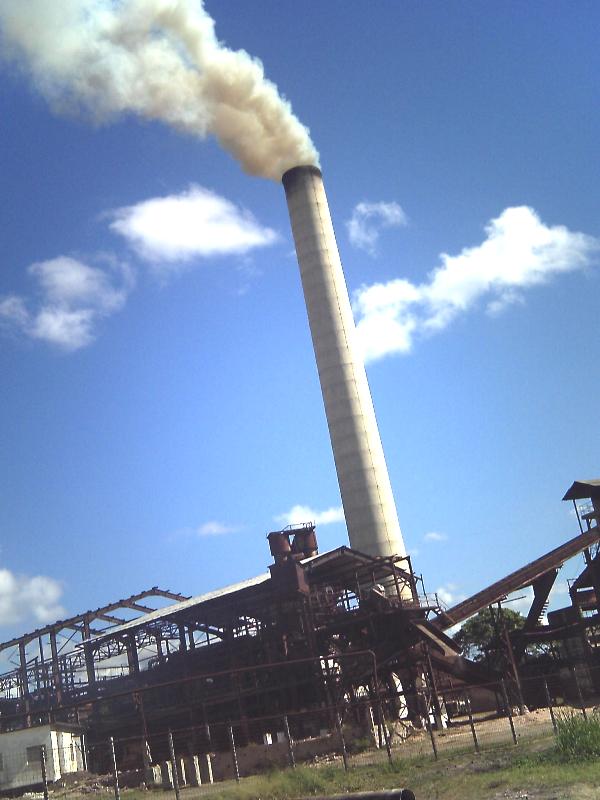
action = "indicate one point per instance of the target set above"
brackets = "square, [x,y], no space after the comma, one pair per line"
[579,695]
[44,773]
[115,770]
[549,702]
[174,765]
[290,744]
[472,723]
[379,742]
[236,768]
[386,735]
[508,710]
[430,728]
[338,725]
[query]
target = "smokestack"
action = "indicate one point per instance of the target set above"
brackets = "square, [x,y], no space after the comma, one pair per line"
[365,487]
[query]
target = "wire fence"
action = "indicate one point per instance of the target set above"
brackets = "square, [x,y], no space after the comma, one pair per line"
[60,760]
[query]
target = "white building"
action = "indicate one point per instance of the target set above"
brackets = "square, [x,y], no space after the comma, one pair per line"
[20,754]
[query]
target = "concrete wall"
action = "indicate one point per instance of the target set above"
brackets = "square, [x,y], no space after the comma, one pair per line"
[259,758]
[70,753]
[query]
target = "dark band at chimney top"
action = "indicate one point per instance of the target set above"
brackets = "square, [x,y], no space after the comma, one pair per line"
[295,174]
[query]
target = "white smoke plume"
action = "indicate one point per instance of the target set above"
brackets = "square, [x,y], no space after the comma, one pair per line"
[161,60]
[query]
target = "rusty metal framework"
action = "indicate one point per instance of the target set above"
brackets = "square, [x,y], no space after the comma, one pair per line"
[314,629]
[57,665]
[569,639]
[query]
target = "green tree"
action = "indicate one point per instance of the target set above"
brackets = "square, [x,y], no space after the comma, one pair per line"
[482,637]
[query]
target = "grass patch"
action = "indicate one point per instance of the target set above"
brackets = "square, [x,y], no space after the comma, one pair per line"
[537,769]
[577,737]
[498,772]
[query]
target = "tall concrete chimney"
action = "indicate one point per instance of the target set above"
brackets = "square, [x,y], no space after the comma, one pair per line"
[362,473]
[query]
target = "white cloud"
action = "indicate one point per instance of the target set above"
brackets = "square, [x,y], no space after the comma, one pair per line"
[299,514]
[520,600]
[368,219]
[447,594]
[67,282]
[13,311]
[434,536]
[211,527]
[71,298]
[215,528]
[197,223]
[22,596]
[519,252]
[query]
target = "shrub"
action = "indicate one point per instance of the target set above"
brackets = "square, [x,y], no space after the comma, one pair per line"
[578,737]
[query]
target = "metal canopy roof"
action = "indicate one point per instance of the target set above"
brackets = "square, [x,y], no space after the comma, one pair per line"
[583,490]
[343,563]
[178,608]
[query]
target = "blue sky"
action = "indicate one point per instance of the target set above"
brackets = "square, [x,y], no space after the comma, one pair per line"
[160,403]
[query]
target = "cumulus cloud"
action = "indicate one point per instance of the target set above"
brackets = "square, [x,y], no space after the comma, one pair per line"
[211,527]
[434,536]
[369,219]
[215,528]
[299,514]
[519,252]
[69,301]
[447,594]
[197,223]
[22,597]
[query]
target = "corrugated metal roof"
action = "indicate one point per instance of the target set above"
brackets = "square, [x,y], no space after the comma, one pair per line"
[583,490]
[168,611]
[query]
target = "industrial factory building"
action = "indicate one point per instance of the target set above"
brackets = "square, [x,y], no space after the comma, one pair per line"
[318,634]
[312,634]
[298,636]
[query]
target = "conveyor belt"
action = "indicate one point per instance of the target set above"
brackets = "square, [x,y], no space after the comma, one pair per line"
[522,577]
